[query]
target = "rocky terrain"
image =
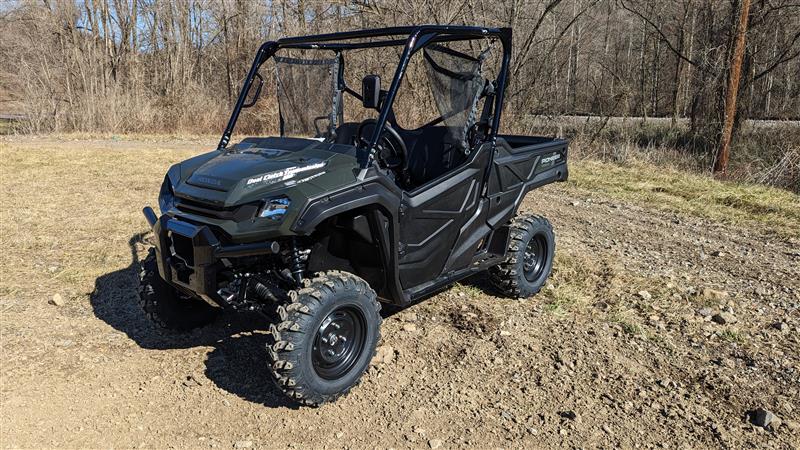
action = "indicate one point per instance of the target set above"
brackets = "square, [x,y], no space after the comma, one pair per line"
[657,329]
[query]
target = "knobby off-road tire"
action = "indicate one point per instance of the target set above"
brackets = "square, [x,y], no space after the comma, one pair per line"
[529,258]
[309,359]
[169,309]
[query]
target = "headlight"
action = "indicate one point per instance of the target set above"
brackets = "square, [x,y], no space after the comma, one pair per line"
[166,198]
[276,208]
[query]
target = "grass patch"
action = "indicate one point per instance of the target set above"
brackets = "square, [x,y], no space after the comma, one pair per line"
[6,126]
[70,208]
[630,328]
[672,190]
[626,325]
[468,290]
[761,152]
[733,336]
[574,283]
[563,298]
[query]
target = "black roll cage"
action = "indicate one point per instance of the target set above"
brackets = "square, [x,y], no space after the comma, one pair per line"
[416,38]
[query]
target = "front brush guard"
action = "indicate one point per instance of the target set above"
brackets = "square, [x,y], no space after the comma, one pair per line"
[196,272]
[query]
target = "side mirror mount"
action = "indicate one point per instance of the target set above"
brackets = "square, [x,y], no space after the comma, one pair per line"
[371,91]
[254,91]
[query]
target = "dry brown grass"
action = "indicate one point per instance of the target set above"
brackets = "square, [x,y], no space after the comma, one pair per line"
[69,207]
[700,195]
[763,152]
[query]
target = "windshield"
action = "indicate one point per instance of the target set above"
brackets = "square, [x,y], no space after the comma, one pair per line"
[308,95]
[311,86]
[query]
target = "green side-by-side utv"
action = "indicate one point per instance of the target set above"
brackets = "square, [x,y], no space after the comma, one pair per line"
[318,226]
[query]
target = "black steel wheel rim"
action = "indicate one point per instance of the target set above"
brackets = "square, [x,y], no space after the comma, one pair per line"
[339,342]
[535,258]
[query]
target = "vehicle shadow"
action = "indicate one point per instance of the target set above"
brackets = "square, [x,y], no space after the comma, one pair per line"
[481,282]
[238,361]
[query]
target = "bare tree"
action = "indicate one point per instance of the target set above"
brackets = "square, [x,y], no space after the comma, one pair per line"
[723,155]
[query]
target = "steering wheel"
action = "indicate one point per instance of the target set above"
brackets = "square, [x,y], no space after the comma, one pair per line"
[390,151]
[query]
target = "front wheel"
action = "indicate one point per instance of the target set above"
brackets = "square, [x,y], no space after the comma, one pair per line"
[325,338]
[529,258]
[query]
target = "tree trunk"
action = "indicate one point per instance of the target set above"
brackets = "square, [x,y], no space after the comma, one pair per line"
[723,154]
[689,67]
[770,77]
[643,74]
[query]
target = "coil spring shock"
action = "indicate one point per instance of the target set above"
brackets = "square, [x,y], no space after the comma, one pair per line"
[296,263]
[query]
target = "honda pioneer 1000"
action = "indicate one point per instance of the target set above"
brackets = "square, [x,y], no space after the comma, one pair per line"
[350,206]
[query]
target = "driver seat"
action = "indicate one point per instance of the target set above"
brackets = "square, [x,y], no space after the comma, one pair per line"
[430,153]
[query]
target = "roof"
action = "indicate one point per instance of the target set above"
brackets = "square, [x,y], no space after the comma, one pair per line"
[395,36]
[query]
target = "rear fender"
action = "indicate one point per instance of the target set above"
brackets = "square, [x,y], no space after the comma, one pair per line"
[521,164]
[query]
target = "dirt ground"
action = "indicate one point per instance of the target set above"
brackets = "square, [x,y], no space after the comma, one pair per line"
[620,350]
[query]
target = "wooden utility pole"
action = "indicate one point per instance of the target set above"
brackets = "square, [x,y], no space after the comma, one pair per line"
[724,151]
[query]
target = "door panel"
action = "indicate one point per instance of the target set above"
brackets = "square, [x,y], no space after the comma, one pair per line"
[433,217]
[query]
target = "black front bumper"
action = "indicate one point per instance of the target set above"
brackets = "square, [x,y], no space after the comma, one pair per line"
[185,254]
[190,255]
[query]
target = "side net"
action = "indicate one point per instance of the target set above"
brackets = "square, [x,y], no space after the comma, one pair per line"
[307,96]
[456,82]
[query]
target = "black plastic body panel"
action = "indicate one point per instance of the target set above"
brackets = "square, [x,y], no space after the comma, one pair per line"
[380,198]
[451,227]
[433,216]
[522,163]
[188,255]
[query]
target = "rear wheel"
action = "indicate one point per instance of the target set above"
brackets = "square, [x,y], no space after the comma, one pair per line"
[529,258]
[166,306]
[325,338]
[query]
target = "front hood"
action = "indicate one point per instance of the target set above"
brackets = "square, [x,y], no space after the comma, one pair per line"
[259,166]
[228,170]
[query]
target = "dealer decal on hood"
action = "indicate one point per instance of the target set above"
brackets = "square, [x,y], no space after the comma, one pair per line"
[283,175]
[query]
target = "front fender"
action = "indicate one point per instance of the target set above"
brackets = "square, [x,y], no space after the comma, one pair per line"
[372,193]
